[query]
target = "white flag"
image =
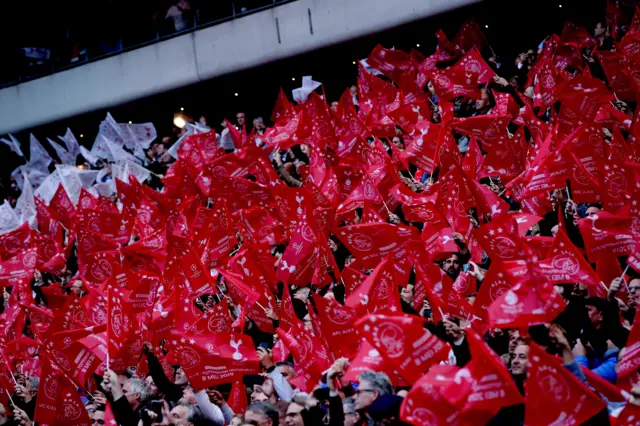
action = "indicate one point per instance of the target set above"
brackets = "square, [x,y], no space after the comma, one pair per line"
[71,142]
[92,159]
[70,181]
[140,173]
[13,145]
[36,176]
[26,205]
[119,154]
[39,158]
[48,188]
[8,219]
[88,177]
[173,149]
[301,94]
[65,156]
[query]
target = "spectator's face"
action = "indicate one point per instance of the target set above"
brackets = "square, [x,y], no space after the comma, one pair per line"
[334,106]
[451,266]
[600,30]
[634,293]
[407,294]
[514,336]
[181,379]
[591,211]
[236,421]
[97,419]
[484,99]
[287,372]
[595,316]
[240,118]
[258,419]
[153,389]
[77,287]
[554,230]
[3,415]
[131,396]
[520,360]
[579,291]
[365,395]
[351,417]
[188,396]
[354,90]
[259,396]
[398,142]
[293,417]
[179,416]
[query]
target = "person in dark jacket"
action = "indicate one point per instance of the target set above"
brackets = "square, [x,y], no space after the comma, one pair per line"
[172,391]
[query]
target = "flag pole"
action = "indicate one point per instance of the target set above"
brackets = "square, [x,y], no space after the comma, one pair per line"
[4,359]
[626,268]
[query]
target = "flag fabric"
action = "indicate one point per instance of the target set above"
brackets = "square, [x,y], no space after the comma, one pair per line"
[215,358]
[553,394]
[403,342]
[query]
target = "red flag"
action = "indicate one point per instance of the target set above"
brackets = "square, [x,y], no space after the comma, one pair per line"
[472,159]
[408,115]
[69,407]
[496,282]
[565,265]
[214,320]
[425,405]
[605,234]
[237,400]
[337,323]
[505,159]
[14,242]
[372,242]
[629,415]
[499,239]
[451,83]
[282,109]
[254,296]
[258,226]
[489,128]
[120,321]
[394,64]
[484,384]
[469,36]
[285,132]
[147,255]
[47,393]
[378,293]
[103,265]
[621,79]
[525,304]
[473,62]
[62,207]
[554,395]
[436,233]
[577,36]
[213,359]
[309,353]
[404,343]
[630,360]
[367,359]
[239,137]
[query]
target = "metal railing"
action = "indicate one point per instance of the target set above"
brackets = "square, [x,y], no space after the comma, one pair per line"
[37,62]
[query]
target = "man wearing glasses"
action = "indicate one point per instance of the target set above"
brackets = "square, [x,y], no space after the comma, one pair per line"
[371,386]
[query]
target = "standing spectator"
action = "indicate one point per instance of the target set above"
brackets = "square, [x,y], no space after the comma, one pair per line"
[180,14]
